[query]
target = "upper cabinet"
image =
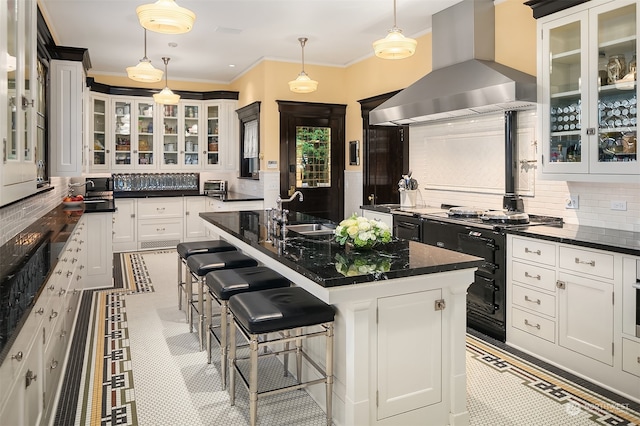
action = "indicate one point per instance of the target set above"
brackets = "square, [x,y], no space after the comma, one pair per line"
[135,133]
[18,94]
[588,92]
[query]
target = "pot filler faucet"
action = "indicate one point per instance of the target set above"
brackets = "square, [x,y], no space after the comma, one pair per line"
[77,185]
[277,218]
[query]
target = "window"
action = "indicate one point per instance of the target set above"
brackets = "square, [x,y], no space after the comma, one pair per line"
[313,157]
[249,117]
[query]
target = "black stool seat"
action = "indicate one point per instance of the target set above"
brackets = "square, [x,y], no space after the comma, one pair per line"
[225,283]
[279,309]
[199,247]
[200,264]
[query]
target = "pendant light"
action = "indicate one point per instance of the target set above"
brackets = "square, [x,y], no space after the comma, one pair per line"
[166,96]
[165,16]
[394,45]
[144,72]
[303,84]
[11,62]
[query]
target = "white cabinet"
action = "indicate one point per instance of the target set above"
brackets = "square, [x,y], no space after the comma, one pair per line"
[132,132]
[159,222]
[564,304]
[182,143]
[215,205]
[99,262]
[98,148]
[588,92]
[124,225]
[67,82]
[17,99]
[194,228]
[402,341]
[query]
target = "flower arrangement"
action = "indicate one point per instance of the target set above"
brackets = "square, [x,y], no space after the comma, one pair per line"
[352,265]
[361,232]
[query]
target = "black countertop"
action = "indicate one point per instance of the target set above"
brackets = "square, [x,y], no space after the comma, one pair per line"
[230,196]
[236,196]
[324,261]
[26,262]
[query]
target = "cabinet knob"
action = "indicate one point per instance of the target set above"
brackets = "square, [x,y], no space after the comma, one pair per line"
[18,356]
[40,311]
[53,315]
[29,377]
[53,364]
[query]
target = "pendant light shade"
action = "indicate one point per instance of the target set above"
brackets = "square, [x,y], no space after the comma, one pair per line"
[166,96]
[165,16]
[395,45]
[303,84]
[144,72]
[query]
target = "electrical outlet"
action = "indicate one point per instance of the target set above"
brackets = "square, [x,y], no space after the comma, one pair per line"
[619,205]
[571,202]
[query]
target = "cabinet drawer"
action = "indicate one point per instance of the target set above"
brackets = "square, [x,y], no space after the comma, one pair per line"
[534,275]
[533,324]
[168,229]
[533,300]
[631,357]
[587,261]
[534,250]
[150,208]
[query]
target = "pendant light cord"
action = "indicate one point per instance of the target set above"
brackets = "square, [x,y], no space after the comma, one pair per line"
[166,74]
[145,43]
[303,41]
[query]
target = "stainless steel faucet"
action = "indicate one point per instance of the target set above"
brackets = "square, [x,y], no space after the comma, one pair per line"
[77,185]
[279,216]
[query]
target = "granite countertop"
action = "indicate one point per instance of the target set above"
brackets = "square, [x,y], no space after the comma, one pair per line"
[615,240]
[159,193]
[108,205]
[322,260]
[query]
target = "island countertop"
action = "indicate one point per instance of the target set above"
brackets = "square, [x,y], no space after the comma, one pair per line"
[325,262]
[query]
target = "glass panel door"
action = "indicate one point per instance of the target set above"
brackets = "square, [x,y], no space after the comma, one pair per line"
[12,58]
[170,135]
[313,157]
[99,146]
[191,146]
[213,121]
[27,98]
[122,131]
[617,92]
[566,97]
[145,133]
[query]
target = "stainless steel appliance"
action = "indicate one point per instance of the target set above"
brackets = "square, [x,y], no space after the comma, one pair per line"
[481,233]
[407,226]
[215,187]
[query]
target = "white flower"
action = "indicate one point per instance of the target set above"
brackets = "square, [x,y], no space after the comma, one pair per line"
[364,226]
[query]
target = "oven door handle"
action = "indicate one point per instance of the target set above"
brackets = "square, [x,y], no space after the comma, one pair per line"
[408,225]
[487,241]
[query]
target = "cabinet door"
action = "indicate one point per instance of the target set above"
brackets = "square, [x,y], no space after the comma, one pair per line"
[97,143]
[563,70]
[402,341]
[143,135]
[99,252]
[613,148]
[585,316]
[124,225]
[193,225]
[170,143]
[191,133]
[212,151]
[122,157]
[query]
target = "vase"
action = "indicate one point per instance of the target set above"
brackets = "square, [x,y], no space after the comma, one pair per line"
[349,247]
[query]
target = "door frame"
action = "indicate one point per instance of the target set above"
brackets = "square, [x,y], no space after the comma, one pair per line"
[290,111]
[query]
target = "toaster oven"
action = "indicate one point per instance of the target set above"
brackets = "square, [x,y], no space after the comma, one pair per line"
[215,187]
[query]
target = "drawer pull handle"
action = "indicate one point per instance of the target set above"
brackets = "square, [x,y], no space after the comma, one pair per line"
[53,365]
[538,252]
[69,273]
[62,292]
[526,322]
[40,311]
[69,249]
[638,360]
[30,377]
[584,262]
[59,272]
[159,229]
[19,355]
[63,334]
[52,287]
[528,275]
[78,277]
[81,267]
[74,260]
[537,301]
[53,315]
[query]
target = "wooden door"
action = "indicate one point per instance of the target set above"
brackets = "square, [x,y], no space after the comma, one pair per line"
[312,151]
[385,156]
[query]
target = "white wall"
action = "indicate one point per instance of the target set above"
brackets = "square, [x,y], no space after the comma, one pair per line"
[548,197]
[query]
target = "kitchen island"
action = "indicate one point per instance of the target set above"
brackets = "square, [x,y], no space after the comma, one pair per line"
[400,319]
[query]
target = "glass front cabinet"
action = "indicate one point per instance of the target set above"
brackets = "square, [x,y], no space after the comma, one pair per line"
[588,99]
[133,134]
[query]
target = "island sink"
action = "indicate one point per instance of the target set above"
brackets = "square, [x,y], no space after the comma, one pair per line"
[311,229]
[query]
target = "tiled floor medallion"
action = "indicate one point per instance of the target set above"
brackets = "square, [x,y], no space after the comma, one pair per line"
[575,398]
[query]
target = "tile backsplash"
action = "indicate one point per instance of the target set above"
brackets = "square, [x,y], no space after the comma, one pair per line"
[15,217]
[543,197]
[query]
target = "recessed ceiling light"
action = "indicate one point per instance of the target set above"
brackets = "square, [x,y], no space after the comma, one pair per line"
[232,65]
[173,44]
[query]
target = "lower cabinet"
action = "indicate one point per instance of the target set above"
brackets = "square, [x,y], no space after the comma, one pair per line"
[124,225]
[194,228]
[32,371]
[99,263]
[159,222]
[382,217]
[563,301]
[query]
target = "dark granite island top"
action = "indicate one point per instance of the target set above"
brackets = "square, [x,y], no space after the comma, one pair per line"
[400,319]
[325,262]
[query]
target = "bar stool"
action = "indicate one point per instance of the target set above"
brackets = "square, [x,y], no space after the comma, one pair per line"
[199,265]
[280,311]
[198,247]
[224,284]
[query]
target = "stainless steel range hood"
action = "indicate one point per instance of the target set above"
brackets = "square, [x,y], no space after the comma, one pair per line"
[465,79]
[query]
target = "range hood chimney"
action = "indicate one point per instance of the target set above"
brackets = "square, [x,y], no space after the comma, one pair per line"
[465,79]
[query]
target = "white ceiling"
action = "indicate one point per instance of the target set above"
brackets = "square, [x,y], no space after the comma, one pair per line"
[234,32]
